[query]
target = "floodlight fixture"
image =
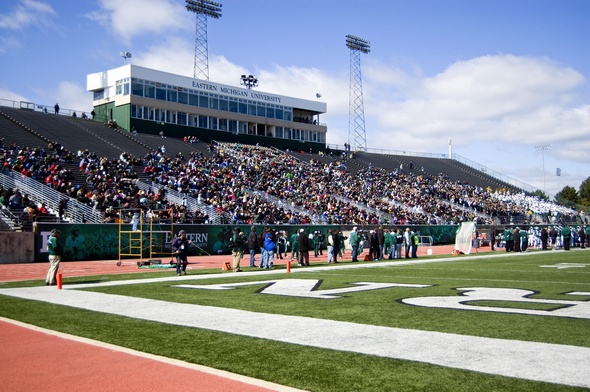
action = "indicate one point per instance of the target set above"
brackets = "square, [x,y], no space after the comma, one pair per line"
[125,55]
[203,9]
[249,81]
[356,43]
[208,8]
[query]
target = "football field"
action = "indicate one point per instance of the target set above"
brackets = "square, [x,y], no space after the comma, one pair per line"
[492,322]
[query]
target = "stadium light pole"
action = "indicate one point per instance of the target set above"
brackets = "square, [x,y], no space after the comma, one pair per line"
[543,148]
[203,9]
[356,111]
[249,81]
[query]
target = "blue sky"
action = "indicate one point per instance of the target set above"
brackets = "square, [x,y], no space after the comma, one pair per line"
[499,77]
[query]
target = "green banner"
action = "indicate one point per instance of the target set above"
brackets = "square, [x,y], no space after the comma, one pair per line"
[107,241]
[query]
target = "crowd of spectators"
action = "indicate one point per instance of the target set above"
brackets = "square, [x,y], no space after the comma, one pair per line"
[258,185]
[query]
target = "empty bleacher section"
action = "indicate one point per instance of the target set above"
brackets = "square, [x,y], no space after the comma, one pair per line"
[86,171]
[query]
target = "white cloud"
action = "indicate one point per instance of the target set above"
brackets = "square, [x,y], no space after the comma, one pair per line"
[27,13]
[10,96]
[74,97]
[501,98]
[132,18]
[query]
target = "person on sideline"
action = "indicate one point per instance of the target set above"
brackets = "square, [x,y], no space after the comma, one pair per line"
[55,251]
[180,249]
[295,245]
[415,240]
[354,244]
[252,245]
[269,244]
[330,246]
[337,237]
[304,244]
[237,248]
[407,242]
[566,233]
[399,242]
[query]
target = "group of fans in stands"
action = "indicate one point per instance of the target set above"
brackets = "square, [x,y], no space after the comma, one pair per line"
[257,185]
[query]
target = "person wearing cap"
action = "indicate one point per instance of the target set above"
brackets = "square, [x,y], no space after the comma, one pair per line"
[180,248]
[236,245]
[55,250]
[252,245]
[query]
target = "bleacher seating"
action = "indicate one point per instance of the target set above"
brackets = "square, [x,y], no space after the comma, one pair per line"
[458,199]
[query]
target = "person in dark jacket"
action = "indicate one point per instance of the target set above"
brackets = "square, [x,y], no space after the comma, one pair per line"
[252,245]
[380,235]
[304,245]
[180,249]
[582,234]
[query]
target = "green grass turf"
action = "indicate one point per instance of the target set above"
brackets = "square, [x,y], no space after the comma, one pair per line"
[327,370]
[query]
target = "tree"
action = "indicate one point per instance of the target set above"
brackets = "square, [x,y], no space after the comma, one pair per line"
[584,192]
[542,195]
[567,196]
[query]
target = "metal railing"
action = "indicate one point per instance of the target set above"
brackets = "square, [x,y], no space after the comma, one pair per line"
[177,198]
[39,193]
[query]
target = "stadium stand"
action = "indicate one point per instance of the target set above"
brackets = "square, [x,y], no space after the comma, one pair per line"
[95,169]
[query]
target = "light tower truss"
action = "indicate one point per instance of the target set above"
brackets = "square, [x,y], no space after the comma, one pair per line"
[357,137]
[203,9]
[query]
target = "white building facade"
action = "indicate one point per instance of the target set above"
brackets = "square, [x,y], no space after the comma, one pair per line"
[152,101]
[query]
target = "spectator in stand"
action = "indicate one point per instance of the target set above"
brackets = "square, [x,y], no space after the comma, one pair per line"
[56,108]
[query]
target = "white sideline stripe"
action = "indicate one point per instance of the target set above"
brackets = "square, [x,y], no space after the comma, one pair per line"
[169,361]
[544,362]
